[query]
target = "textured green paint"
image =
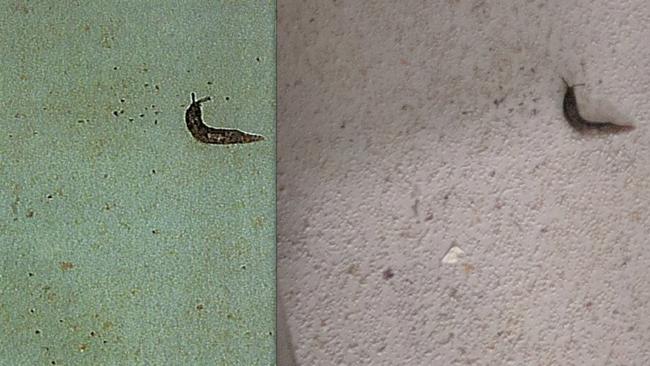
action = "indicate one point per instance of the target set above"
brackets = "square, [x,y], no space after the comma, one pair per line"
[123,241]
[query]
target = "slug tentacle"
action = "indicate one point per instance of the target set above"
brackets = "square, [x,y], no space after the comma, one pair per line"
[575,119]
[209,135]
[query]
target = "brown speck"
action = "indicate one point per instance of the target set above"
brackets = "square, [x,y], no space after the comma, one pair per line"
[66,266]
[468,268]
[30,214]
[199,307]
[83,347]
[589,304]
[353,269]
[388,274]
[21,7]
[499,101]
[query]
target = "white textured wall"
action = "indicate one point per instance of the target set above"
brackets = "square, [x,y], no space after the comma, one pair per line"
[408,127]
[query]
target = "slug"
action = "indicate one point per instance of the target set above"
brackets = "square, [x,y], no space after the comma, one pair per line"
[572,115]
[209,135]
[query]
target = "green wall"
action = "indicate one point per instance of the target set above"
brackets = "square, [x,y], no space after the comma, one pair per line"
[124,241]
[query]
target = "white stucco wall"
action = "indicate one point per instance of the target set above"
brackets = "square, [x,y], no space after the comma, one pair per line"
[408,127]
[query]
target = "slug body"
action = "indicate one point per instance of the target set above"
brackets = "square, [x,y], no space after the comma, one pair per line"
[572,115]
[209,135]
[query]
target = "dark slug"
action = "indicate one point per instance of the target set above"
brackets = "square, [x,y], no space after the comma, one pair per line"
[209,135]
[572,115]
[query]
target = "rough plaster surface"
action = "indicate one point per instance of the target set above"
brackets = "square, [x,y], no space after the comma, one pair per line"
[407,128]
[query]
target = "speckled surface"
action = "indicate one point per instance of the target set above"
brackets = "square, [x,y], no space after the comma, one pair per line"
[124,241]
[407,128]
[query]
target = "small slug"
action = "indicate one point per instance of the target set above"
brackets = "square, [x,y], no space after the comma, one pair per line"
[572,115]
[209,135]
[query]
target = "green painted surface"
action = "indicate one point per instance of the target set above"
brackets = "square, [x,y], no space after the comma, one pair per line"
[123,241]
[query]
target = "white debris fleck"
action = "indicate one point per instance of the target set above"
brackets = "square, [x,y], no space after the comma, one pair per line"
[453,255]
